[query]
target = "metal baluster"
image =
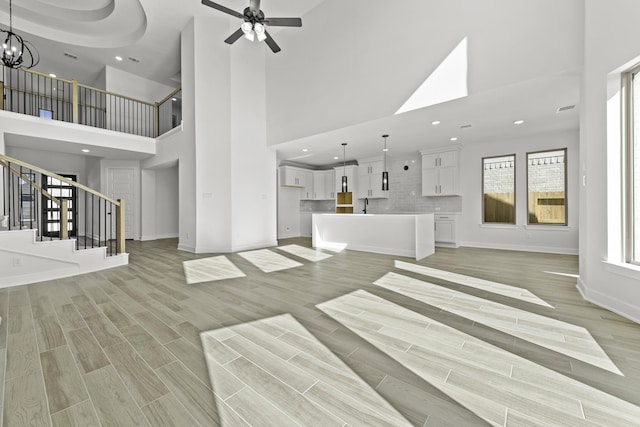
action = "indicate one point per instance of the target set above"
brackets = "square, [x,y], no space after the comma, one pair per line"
[105,223]
[86,219]
[11,195]
[93,219]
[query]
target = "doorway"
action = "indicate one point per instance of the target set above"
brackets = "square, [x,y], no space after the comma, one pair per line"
[51,211]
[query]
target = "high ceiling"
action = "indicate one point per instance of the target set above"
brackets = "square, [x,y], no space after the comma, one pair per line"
[342,76]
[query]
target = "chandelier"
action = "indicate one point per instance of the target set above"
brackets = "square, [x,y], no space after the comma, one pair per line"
[16,51]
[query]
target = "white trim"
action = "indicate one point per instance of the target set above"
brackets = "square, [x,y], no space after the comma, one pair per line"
[167,236]
[159,236]
[623,269]
[524,248]
[501,226]
[545,227]
[605,301]
[183,247]
[288,235]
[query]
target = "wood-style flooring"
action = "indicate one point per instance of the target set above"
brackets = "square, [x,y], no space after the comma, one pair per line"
[292,336]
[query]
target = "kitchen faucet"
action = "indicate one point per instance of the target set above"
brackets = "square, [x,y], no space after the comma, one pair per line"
[366,202]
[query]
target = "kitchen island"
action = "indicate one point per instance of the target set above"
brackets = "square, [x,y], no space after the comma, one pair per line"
[410,235]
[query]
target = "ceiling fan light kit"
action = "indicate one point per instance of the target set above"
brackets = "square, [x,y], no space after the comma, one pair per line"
[254,23]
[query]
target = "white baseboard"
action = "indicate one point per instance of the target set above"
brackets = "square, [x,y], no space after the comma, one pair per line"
[167,236]
[159,236]
[183,247]
[615,305]
[524,248]
[288,235]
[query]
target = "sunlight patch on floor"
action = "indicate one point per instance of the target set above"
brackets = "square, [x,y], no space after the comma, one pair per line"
[275,370]
[210,269]
[473,282]
[565,338]
[269,261]
[306,253]
[500,387]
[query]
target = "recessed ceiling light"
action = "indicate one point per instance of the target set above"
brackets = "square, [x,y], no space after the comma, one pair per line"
[435,122]
[385,149]
[518,122]
[118,58]
[453,138]
[174,99]
[335,157]
[304,150]
[52,75]
[84,150]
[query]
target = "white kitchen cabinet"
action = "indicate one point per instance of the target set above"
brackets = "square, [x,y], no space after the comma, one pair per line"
[307,190]
[292,177]
[446,229]
[329,184]
[440,172]
[323,183]
[370,179]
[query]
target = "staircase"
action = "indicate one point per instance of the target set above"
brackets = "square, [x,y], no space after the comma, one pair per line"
[45,236]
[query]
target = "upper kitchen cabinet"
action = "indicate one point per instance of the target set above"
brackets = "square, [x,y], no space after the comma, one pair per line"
[323,185]
[308,191]
[370,179]
[292,177]
[441,172]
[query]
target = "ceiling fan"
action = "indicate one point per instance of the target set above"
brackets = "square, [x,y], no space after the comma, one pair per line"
[254,23]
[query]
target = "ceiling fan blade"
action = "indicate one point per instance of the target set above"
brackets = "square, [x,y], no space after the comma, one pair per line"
[223,9]
[271,43]
[234,37]
[283,22]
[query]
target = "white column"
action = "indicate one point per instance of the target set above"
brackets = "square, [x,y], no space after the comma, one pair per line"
[227,173]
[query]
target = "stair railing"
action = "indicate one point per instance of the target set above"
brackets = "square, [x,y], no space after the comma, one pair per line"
[73,211]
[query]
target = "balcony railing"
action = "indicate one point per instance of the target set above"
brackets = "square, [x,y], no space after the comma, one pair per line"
[36,94]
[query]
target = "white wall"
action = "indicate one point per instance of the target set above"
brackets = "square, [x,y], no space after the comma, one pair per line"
[227,173]
[610,46]
[132,86]
[166,206]
[253,164]
[519,236]
[331,78]
[288,211]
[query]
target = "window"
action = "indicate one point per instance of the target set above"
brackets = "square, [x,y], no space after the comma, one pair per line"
[546,187]
[499,189]
[632,210]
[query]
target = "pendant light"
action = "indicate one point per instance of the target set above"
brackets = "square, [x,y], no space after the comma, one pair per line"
[385,173]
[344,167]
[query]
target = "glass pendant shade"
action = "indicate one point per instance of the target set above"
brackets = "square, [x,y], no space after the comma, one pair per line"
[385,173]
[344,167]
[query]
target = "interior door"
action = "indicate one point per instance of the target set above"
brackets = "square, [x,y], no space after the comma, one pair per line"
[121,185]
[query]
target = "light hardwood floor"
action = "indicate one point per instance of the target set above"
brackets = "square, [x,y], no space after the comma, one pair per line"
[320,338]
